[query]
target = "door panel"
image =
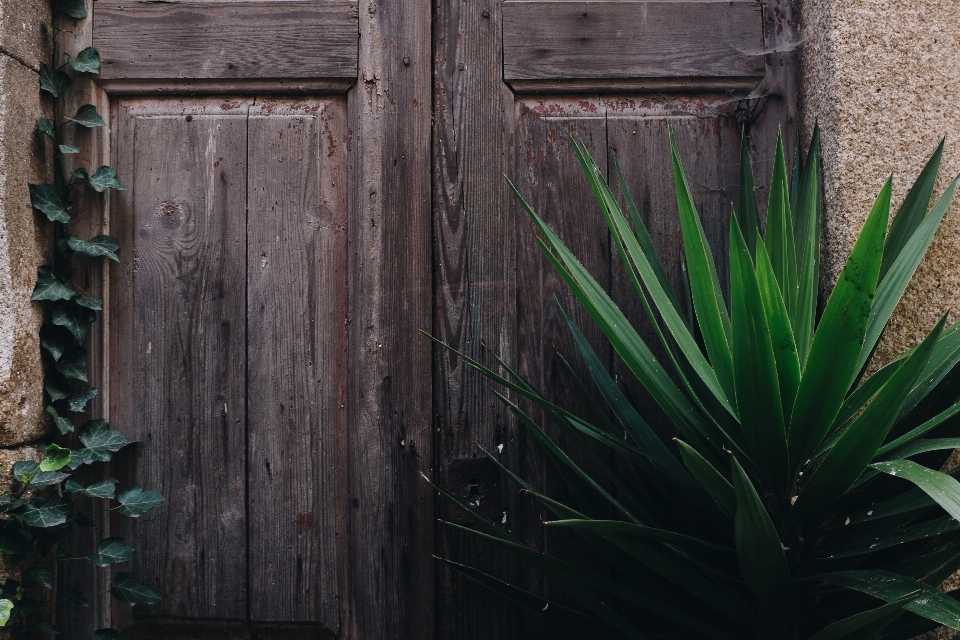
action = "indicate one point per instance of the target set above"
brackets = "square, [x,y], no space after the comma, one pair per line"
[231,321]
[179,345]
[296,367]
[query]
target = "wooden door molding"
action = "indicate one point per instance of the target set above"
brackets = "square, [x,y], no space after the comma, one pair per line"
[615,46]
[226,47]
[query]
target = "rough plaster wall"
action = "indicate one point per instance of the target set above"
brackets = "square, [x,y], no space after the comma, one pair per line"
[883,78]
[23,237]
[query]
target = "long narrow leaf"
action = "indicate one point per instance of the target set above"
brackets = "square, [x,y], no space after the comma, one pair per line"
[806,229]
[859,443]
[832,363]
[704,283]
[747,212]
[716,485]
[759,551]
[941,487]
[848,626]
[755,368]
[779,239]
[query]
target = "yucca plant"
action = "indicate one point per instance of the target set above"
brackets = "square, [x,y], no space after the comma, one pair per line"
[802,498]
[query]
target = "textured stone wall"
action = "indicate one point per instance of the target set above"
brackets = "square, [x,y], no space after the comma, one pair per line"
[883,78]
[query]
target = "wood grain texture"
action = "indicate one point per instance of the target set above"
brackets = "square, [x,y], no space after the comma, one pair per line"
[609,45]
[549,177]
[390,536]
[475,292]
[178,346]
[709,142]
[296,367]
[216,40]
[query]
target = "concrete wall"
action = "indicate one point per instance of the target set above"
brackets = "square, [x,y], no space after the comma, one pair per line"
[883,78]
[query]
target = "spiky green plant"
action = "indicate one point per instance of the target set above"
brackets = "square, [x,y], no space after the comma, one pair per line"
[802,499]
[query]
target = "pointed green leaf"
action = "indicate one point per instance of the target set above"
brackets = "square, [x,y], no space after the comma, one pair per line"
[96,247]
[704,283]
[848,626]
[104,489]
[73,364]
[42,517]
[779,240]
[898,276]
[74,8]
[832,363]
[87,61]
[644,533]
[130,590]
[42,577]
[859,443]
[922,446]
[6,608]
[806,229]
[56,387]
[63,425]
[68,149]
[759,551]
[56,340]
[112,551]
[781,333]
[716,485]
[53,81]
[944,489]
[913,210]
[105,178]
[49,286]
[57,458]
[924,428]
[87,116]
[51,200]
[78,399]
[100,439]
[76,320]
[886,540]
[755,368]
[45,127]
[891,587]
[134,501]
[747,212]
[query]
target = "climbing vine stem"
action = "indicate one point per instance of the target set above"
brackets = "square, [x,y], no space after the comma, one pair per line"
[45,498]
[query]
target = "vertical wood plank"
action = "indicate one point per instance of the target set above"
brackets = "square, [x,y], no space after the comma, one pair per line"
[708,142]
[296,380]
[178,353]
[475,289]
[390,535]
[549,177]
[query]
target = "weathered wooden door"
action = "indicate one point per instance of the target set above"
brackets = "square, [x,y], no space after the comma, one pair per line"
[311,183]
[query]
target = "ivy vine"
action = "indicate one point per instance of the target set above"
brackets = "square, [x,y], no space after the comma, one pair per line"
[45,499]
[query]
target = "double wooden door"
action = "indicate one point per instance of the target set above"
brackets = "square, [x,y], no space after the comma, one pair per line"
[311,184]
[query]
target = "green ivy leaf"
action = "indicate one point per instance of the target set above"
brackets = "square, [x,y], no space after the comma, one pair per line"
[73,364]
[87,61]
[56,387]
[14,539]
[112,551]
[106,178]
[132,591]
[90,302]
[57,458]
[6,607]
[98,246]
[99,438]
[42,577]
[80,457]
[49,286]
[56,340]
[63,425]
[75,596]
[107,634]
[76,320]
[54,81]
[73,8]
[47,478]
[42,517]
[81,174]
[68,149]
[134,502]
[87,116]
[45,127]
[79,399]
[104,489]
[51,200]
[24,470]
